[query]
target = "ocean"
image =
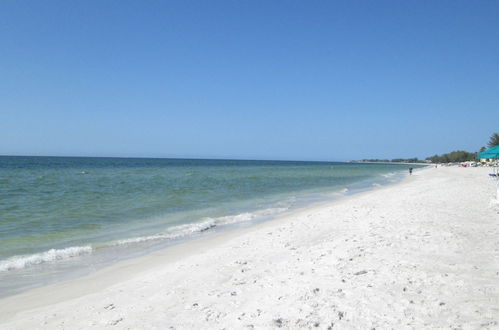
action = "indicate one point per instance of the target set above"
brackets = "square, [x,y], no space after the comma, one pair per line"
[62,217]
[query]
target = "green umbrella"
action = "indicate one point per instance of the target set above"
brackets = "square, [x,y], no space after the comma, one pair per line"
[492,153]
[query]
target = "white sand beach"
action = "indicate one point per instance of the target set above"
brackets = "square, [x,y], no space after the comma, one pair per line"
[421,254]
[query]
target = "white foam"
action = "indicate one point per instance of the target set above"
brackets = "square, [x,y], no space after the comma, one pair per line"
[247,216]
[189,229]
[140,239]
[19,262]
[172,233]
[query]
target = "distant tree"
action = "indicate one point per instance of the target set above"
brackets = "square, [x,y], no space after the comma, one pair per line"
[395,160]
[482,149]
[406,160]
[455,156]
[494,140]
[376,160]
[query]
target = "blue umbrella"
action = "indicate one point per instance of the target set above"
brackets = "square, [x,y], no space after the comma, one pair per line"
[492,153]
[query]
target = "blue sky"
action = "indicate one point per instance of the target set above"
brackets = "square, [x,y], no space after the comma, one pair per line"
[311,80]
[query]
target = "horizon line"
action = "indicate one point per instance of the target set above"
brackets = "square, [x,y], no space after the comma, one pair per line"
[184,158]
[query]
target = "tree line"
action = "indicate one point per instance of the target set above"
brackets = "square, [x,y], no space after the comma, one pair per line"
[395,160]
[451,157]
[464,156]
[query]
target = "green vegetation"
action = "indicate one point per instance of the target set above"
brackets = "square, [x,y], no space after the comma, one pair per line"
[494,140]
[453,157]
[463,156]
[395,160]
[407,160]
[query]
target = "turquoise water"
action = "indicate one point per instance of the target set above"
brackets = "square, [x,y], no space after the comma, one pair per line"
[62,214]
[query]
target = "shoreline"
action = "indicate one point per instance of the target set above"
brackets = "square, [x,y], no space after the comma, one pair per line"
[174,251]
[318,263]
[209,226]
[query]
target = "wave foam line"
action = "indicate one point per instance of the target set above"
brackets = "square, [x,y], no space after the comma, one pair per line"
[19,262]
[189,229]
[172,233]
[247,216]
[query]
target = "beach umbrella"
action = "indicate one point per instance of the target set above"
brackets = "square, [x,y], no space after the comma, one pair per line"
[492,153]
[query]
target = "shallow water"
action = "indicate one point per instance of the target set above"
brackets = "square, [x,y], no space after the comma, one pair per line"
[62,215]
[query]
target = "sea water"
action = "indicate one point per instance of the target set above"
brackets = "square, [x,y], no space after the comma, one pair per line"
[66,216]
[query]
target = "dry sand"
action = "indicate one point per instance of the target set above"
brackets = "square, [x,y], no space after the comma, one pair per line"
[421,254]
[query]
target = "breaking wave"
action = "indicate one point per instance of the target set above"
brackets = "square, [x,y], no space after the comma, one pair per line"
[172,233]
[19,262]
[187,230]
[176,232]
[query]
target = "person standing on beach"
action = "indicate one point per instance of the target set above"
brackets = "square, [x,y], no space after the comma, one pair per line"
[410,170]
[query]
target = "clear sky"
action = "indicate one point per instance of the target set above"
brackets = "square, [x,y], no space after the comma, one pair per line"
[301,80]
